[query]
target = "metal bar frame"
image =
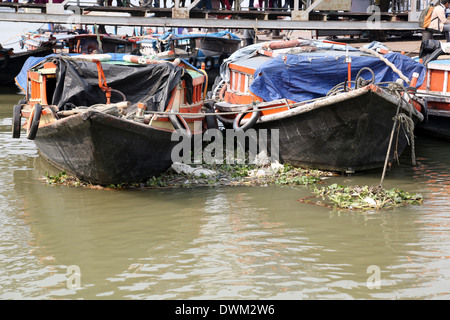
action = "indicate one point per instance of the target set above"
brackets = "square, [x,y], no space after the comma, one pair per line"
[205,23]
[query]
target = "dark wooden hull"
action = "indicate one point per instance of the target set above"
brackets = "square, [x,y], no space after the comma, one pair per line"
[346,133]
[103,149]
[11,67]
[437,122]
[436,127]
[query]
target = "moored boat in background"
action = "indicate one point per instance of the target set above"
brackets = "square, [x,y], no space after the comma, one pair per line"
[79,43]
[210,49]
[11,63]
[435,90]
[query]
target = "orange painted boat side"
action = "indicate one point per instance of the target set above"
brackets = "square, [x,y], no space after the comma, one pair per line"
[239,98]
[437,79]
[445,106]
[237,92]
[437,83]
[242,69]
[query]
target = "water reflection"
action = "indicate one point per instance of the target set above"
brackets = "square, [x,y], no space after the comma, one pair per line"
[218,243]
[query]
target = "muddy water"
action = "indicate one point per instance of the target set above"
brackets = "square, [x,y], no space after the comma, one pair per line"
[60,242]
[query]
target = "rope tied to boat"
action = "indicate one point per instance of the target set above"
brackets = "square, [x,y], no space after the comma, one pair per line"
[401,120]
[360,81]
[387,62]
[407,124]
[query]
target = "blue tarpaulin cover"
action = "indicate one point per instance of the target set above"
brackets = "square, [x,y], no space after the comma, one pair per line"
[166,35]
[21,78]
[312,75]
[220,34]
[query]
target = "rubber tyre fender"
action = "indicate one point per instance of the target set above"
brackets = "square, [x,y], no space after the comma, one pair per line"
[222,57]
[211,121]
[17,121]
[35,118]
[180,124]
[250,123]
[193,62]
[209,61]
[227,123]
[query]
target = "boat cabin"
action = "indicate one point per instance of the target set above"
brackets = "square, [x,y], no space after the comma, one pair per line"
[436,87]
[81,43]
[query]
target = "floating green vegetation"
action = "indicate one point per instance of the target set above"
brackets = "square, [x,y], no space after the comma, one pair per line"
[297,176]
[342,197]
[238,175]
[365,197]
[65,179]
[211,175]
[62,178]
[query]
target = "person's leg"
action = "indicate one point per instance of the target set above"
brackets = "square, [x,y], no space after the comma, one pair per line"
[226,4]
[200,5]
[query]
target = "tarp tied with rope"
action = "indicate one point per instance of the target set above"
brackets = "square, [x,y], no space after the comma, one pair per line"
[312,75]
[77,83]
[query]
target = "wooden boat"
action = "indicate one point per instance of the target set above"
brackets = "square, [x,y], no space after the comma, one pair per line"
[324,121]
[209,48]
[11,63]
[109,132]
[79,43]
[435,91]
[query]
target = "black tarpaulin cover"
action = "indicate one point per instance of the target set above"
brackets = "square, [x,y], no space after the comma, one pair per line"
[77,83]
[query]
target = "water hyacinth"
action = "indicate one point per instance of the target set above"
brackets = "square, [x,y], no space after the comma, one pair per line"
[343,197]
[297,176]
[61,178]
[365,197]
[219,175]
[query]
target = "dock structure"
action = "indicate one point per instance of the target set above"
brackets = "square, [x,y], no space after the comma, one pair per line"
[336,15]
